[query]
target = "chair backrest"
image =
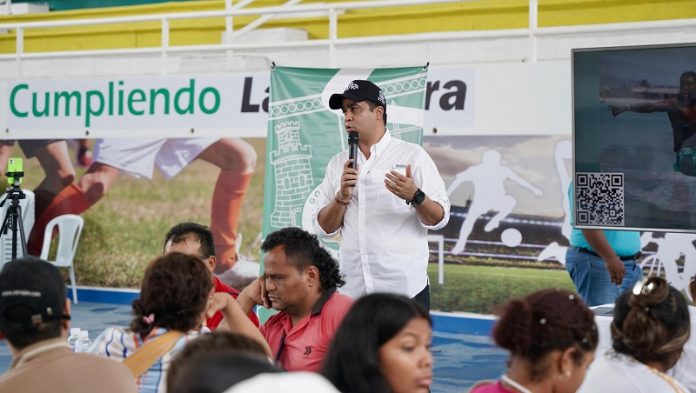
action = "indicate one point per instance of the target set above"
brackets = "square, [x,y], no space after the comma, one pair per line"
[69,230]
[27,206]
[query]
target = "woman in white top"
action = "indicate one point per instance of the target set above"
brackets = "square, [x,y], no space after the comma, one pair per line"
[650,327]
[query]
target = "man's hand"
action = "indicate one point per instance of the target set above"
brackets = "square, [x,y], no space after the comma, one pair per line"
[616,269]
[349,178]
[330,217]
[402,186]
[598,241]
[255,293]
[217,302]
[617,110]
[235,317]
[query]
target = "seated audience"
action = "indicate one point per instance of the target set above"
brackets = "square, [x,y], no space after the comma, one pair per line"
[176,291]
[683,370]
[195,239]
[551,336]
[34,320]
[382,345]
[209,343]
[650,327]
[300,279]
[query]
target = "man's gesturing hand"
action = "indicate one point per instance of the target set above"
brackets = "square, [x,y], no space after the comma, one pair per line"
[400,185]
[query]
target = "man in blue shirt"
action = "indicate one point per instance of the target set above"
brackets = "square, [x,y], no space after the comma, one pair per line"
[602,263]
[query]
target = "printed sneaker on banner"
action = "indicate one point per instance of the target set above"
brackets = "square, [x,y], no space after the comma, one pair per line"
[241,274]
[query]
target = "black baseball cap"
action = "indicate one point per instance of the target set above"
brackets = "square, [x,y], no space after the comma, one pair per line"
[31,292]
[359,90]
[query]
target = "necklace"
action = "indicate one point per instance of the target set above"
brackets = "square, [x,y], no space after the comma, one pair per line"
[514,384]
[667,379]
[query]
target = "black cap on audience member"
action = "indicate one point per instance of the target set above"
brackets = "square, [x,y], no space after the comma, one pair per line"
[31,292]
[359,90]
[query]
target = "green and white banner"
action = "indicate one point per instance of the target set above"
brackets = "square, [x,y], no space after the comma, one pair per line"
[304,133]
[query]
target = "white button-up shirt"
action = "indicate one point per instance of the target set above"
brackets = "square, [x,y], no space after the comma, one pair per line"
[383,246]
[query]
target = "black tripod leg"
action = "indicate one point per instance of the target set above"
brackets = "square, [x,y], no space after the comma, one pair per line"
[6,224]
[13,219]
[22,237]
[13,227]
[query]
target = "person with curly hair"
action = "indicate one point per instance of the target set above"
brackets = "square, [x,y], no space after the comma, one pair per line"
[551,336]
[650,327]
[299,279]
[382,345]
[176,295]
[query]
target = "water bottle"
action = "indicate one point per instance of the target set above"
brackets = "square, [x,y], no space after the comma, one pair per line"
[74,333]
[83,342]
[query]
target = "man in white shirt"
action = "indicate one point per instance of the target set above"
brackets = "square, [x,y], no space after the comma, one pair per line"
[382,213]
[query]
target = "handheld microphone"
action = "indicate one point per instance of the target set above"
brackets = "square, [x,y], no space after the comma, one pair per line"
[353,148]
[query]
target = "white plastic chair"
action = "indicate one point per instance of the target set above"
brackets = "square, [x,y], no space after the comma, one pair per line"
[69,230]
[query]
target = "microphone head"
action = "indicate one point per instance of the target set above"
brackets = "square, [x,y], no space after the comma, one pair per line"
[353,136]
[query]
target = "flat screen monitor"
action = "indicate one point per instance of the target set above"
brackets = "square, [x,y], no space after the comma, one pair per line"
[634,134]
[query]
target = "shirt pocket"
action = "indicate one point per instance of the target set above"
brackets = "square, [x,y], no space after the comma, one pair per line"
[380,199]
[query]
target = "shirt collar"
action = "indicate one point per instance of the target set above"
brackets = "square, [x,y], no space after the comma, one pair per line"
[319,305]
[316,310]
[381,146]
[34,350]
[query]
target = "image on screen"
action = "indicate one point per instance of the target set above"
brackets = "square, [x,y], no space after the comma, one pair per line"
[634,134]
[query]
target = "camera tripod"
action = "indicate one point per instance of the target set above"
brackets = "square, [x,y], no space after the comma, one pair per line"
[13,219]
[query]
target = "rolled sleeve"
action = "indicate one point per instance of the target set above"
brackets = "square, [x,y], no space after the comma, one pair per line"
[445,218]
[434,187]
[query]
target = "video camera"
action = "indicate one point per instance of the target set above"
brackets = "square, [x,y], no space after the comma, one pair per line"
[15,172]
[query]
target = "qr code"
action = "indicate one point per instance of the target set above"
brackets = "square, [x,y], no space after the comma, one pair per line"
[599,199]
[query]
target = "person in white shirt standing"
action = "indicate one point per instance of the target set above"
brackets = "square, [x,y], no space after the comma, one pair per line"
[384,206]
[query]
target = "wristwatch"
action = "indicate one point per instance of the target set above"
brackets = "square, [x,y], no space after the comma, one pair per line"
[417,199]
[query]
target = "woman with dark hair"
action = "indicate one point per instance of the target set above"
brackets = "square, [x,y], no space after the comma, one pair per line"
[196,349]
[382,345]
[217,371]
[650,327]
[551,336]
[176,292]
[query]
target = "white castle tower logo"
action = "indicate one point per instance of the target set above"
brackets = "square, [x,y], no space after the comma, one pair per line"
[293,175]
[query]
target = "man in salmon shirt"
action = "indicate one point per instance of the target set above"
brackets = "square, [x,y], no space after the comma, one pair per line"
[195,239]
[299,279]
